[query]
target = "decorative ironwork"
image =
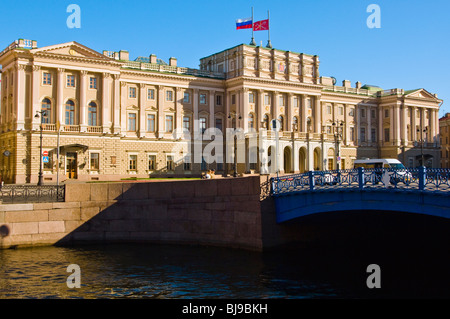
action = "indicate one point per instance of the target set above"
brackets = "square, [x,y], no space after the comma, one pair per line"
[10,194]
[413,179]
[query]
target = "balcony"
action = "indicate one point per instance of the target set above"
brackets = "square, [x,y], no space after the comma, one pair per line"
[71,128]
[94,129]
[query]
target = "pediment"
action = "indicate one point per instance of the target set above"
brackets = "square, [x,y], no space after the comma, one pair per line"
[421,93]
[73,49]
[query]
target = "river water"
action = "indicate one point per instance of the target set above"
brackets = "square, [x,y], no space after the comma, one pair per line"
[413,264]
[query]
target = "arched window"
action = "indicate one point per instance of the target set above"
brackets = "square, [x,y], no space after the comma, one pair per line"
[251,121]
[295,123]
[92,114]
[280,118]
[46,109]
[70,113]
[266,121]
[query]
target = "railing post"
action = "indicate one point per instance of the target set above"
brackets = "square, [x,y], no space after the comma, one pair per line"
[361,177]
[311,180]
[422,177]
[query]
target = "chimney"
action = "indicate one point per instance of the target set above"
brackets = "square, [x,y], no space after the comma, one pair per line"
[358,85]
[346,83]
[173,61]
[124,55]
[152,58]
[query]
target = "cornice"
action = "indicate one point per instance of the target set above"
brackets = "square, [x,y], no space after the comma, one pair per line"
[170,76]
[273,82]
[63,57]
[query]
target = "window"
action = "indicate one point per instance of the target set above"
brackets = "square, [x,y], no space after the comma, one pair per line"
[93,83]
[280,119]
[267,99]
[363,112]
[233,99]
[251,97]
[202,98]
[187,97]
[169,123]
[150,94]
[132,162]
[373,114]
[295,101]
[152,162]
[132,122]
[341,110]
[187,163]
[92,114]
[352,134]
[151,123]
[70,113]
[187,123]
[251,121]
[282,100]
[170,163]
[386,113]
[219,124]
[169,96]
[351,112]
[218,99]
[328,109]
[71,81]
[46,109]
[202,124]
[308,103]
[373,135]
[132,92]
[363,134]
[386,135]
[295,123]
[47,78]
[95,162]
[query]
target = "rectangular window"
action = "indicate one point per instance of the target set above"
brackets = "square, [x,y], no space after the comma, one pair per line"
[308,103]
[93,83]
[373,135]
[132,122]
[132,162]
[218,99]
[187,123]
[341,110]
[202,124]
[267,99]
[71,81]
[202,98]
[219,124]
[95,161]
[386,113]
[373,114]
[233,99]
[150,94]
[281,99]
[295,101]
[363,134]
[132,93]
[169,123]
[328,109]
[351,112]
[169,96]
[363,112]
[386,135]
[251,97]
[187,97]
[152,162]
[170,163]
[47,78]
[150,123]
[352,134]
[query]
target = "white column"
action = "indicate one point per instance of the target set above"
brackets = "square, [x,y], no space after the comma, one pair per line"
[106,103]
[35,82]
[317,119]
[179,95]
[245,109]
[20,96]
[60,96]
[141,117]
[161,115]
[414,123]
[304,114]
[116,105]
[83,103]
[260,109]
[289,112]
[123,107]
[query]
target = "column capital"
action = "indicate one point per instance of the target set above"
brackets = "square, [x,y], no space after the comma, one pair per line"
[141,85]
[116,76]
[83,72]
[60,70]
[106,75]
[36,68]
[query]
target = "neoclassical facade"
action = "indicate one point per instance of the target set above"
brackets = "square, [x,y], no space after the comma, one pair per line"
[106,117]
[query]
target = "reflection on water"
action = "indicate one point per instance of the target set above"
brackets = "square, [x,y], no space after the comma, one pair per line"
[413,256]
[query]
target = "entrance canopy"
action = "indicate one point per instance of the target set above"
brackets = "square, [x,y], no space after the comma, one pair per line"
[71,148]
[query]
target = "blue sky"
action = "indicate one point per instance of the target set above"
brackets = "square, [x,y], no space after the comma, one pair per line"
[411,49]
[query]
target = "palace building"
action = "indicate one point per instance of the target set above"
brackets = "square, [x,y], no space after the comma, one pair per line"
[103,116]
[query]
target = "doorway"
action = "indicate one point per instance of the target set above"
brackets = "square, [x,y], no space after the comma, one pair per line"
[71,165]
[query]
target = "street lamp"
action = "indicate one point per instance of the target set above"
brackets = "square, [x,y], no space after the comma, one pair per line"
[422,141]
[40,178]
[337,131]
[230,116]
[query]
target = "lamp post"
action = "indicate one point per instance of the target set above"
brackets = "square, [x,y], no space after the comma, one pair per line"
[233,116]
[422,141]
[40,114]
[337,131]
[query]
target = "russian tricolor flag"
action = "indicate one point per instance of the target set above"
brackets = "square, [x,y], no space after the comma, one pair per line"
[244,23]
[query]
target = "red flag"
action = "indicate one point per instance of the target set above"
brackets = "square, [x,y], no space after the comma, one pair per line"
[261,25]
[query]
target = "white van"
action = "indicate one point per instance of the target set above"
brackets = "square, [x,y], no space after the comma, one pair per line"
[401,175]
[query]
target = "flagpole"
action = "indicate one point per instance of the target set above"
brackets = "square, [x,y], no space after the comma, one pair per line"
[253,38]
[269,44]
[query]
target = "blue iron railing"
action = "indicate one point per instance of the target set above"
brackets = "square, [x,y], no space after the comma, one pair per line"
[415,179]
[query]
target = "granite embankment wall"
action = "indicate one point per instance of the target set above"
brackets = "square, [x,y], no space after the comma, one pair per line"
[223,212]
